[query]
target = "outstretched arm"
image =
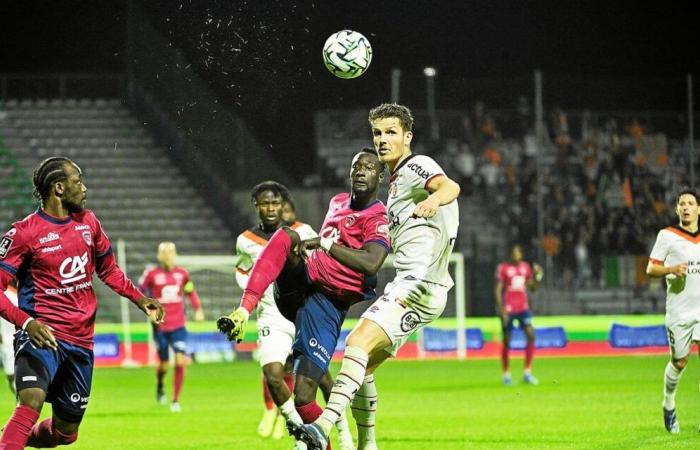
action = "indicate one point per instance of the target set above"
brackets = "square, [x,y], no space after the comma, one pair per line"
[366,260]
[659,270]
[442,191]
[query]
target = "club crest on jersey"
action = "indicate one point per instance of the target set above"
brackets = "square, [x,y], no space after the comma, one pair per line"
[87,237]
[393,190]
[409,321]
[5,245]
[350,220]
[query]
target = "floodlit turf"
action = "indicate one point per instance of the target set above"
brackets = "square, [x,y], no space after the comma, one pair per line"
[607,403]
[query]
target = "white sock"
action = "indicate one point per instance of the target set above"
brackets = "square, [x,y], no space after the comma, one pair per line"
[364,409]
[347,383]
[290,412]
[671,378]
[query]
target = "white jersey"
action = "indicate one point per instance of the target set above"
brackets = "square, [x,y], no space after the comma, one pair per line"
[422,247]
[674,246]
[249,245]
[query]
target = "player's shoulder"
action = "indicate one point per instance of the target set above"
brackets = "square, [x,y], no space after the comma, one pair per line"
[377,208]
[26,228]
[674,231]
[421,165]
[182,270]
[251,236]
[340,199]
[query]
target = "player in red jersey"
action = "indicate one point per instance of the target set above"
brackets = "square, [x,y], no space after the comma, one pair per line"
[513,279]
[317,290]
[168,284]
[53,253]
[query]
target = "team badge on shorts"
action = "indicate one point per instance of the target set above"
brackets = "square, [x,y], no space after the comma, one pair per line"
[409,321]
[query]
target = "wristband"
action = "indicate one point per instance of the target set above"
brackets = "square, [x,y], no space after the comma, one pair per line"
[26,322]
[326,244]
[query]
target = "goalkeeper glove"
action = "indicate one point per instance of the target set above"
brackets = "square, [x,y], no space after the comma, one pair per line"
[233,326]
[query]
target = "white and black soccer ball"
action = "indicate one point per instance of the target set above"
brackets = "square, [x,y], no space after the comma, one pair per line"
[347,54]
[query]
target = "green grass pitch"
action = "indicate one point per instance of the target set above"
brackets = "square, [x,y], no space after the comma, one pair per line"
[605,403]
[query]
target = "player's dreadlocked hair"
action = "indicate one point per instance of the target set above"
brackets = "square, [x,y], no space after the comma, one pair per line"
[388,110]
[272,186]
[50,171]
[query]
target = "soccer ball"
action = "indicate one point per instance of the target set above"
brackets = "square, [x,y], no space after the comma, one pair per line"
[347,54]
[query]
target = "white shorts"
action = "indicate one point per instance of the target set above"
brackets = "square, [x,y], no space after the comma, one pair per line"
[7,350]
[406,306]
[275,339]
[681,336]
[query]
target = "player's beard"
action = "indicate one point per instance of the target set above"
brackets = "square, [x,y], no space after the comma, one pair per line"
[72,207]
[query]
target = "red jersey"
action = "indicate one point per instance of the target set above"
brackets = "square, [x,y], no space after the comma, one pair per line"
[350,228]
[54,260]
[169,287]
[514,278]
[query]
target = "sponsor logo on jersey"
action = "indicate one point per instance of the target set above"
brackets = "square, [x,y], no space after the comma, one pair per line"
[69,289]
[409,321]
[5,245]
[81,227]
[49,237]
[73,268]
[421,172]
[51,249]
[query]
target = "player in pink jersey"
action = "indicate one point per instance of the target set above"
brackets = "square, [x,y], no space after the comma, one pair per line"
[53,253]
[513,278]
[168,284]
[316,291]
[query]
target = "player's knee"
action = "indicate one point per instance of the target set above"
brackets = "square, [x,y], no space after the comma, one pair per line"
[680,363]
[64,439]
[32,397]
[274,376]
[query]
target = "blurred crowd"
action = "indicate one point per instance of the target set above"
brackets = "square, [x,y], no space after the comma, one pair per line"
[608,183]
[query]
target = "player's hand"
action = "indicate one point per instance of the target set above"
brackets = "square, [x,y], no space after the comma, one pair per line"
[539,272]
[679,269]
[199,315]
[41,335]
[426,209]
[233,326]
[308,245]
[152,308]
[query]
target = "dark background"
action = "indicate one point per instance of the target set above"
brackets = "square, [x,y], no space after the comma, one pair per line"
[264,57]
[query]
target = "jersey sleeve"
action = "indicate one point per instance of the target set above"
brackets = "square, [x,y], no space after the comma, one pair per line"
[188,288]
[376,229]
[102,245]
[14,248]
[426,168]
[501,273]
[305,231]
[528,271]
[660,250]
[244,262]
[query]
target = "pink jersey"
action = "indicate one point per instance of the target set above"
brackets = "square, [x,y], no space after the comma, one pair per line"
[350,228]
[169,287]
[514,278]
[54,261]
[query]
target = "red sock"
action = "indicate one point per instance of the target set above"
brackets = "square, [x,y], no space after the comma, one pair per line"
[266,269]
[269,403]
[504,358]
[45,436]
[177,381]
[529,354]
[18,428]
[289,380]
[309,413]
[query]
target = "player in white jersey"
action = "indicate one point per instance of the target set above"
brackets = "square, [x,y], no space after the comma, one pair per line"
[676,256]
[7,333]
[423,221]
[275,330]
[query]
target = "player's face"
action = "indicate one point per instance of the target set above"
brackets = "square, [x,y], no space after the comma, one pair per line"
[687,209]
[365,174]
[516,254]
[391,142]
[288,213]
[269,206]
[167,254]
[74,192]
